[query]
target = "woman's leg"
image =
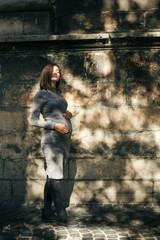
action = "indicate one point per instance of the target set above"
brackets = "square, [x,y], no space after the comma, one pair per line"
[55,190]
[47,213]
[47,196]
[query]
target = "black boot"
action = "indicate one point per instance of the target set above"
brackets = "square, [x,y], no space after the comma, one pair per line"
[47,213]
[65,220]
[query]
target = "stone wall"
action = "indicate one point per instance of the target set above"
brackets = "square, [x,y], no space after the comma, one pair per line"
[101,16]
[111,82]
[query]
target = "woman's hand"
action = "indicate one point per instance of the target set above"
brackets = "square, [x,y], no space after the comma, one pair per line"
[60,127]
[67,114]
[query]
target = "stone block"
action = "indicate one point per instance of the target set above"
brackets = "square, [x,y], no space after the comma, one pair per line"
[21,67]
[26,98]
[26,23]
[126,118]
[5,191]
[105,168]
[110,191]
[11,121]
[135,145]
[153,20]
[18,190]
[131,20]
[156,191]
[36,22]
[71,6]
[71,64]
[11,24]
[112,145]
[141,65]
[138,94]
[18,6]
[100,65]
[34,190]
[29,127]
[98,168]
[142,169]
[109,21]
[19,95]
[14,169]
[2,167]
[145,4]
[134,192]
[11,146]
[35,169]
[87,23]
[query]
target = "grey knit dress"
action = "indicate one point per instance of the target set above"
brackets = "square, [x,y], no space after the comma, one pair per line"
[56,146]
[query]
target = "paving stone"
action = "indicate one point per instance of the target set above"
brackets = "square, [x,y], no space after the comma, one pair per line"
[111,236]
[124,238]
[123,234]
[99,235]
[61,237]
[99,238]
[87,238]
[23,238]
[135,235]
[147,235]
[149,238]
[88,235]
[36,238]
[109,232]
[74,234]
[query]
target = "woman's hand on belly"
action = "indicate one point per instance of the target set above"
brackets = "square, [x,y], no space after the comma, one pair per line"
[67,115]
[60,127]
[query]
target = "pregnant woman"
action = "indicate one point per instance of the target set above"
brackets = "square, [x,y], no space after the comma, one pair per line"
[55,141]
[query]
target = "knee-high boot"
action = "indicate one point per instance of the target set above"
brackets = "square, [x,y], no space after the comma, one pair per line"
[47,213]
[55,190]
[47,196]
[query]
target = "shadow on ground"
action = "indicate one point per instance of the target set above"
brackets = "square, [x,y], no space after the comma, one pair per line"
[116,221]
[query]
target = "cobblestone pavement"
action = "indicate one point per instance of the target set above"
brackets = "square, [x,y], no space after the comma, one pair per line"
[96,222]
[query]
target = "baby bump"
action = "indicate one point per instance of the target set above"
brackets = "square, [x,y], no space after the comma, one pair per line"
[54,137]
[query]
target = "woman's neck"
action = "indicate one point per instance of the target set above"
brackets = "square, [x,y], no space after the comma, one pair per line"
[53,85]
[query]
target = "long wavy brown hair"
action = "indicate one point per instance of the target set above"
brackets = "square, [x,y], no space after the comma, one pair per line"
[45,78]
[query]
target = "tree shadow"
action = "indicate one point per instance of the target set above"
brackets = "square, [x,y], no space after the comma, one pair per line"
[97,84]
[138,219]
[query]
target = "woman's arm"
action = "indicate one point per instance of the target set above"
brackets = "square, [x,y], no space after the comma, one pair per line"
[38,102]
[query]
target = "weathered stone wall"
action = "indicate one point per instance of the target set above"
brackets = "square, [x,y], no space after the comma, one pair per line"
[26,18]
[112,86]
[100,16]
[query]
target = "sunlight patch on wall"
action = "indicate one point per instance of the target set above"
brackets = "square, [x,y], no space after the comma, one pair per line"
[34,191]
[98,64]
[146,4]
[140,169]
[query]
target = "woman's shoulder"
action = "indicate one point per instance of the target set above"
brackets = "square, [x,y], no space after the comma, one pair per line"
[41,94]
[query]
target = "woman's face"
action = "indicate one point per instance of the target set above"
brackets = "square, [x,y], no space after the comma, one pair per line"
[55,74]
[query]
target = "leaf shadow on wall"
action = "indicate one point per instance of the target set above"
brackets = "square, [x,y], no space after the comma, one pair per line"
[116,139]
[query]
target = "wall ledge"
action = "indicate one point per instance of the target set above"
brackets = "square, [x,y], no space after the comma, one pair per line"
[78,37]
[23,5]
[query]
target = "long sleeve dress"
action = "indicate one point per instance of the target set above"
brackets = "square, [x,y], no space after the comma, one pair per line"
[56,146]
